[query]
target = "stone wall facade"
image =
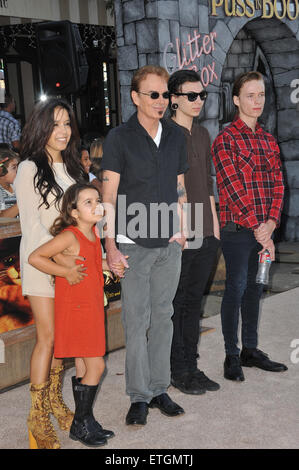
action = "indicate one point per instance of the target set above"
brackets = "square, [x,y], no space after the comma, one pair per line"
[183,34]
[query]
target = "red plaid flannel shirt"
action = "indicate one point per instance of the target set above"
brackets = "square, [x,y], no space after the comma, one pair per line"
[249,176]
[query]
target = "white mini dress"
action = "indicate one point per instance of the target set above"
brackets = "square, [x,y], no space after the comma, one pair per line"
[35,224]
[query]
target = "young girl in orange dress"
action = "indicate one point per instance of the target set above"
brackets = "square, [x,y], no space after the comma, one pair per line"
[79,307]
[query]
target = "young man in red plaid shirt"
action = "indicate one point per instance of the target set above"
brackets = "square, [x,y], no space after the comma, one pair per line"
[251,189]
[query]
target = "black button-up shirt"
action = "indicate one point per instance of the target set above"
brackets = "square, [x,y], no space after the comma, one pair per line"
[148,176]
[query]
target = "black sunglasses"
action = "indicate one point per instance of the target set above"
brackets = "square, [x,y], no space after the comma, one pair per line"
[192,96]
[155,95]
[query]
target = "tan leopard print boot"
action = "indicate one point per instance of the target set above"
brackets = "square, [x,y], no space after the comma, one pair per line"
[57,406]
[41,432]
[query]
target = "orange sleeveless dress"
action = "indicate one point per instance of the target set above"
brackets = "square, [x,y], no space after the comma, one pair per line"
[79,309]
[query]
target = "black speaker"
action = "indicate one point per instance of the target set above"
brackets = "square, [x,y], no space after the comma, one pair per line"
[62,59]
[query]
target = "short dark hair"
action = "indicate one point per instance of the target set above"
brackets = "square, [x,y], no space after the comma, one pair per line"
[81,148]
[244,78]
[177,79]
[8,100]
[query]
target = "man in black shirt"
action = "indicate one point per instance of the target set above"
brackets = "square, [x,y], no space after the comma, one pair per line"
[144,162]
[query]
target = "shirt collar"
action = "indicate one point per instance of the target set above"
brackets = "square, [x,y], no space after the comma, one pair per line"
[135,124]
[6,113]
[242,126]
[184,129]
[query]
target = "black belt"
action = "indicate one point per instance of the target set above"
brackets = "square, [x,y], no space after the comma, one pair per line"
[232,227]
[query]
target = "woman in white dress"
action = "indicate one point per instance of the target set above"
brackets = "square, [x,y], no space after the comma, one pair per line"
[49,165]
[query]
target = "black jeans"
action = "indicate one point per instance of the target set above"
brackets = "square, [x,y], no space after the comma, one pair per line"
[196,268]
[240,251]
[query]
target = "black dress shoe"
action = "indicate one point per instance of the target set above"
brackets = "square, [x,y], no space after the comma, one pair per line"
[187,384]
[204,381]
[257,358]
[233,369]
[137,413]
[166,405]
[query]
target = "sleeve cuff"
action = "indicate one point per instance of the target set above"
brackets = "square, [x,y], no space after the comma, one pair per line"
[250,221]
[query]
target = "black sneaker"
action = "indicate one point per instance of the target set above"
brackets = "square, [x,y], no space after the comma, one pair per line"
[233,369]
[188,384]
[204,381]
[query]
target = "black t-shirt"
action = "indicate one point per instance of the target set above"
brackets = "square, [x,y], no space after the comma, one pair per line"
[148,180]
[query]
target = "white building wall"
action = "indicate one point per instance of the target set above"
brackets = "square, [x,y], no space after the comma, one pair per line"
[38,9]
[92,11]
[74,11]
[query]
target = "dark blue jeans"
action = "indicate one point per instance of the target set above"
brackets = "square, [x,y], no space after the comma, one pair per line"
[240,251]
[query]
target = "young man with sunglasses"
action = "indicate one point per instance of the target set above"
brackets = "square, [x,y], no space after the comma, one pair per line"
[144,160]
[187,99]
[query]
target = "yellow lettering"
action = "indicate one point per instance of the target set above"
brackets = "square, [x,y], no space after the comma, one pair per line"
[296,5]
[250,4]
[216,4]
[284,9]
[270,8]
[242,5]
[269,3]
[233,8]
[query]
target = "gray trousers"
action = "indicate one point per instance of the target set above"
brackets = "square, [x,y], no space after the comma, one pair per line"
[147,292]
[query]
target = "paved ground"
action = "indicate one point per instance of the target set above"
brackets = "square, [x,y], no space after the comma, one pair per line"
[260,413]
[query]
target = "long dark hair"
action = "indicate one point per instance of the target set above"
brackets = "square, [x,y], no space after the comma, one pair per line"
[35,136]
[69,202]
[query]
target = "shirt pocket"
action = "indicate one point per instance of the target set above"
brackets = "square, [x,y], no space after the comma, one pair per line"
[246,161]
[269,160]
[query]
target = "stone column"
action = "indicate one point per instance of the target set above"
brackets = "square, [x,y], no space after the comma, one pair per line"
[137,43]
[157,32]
